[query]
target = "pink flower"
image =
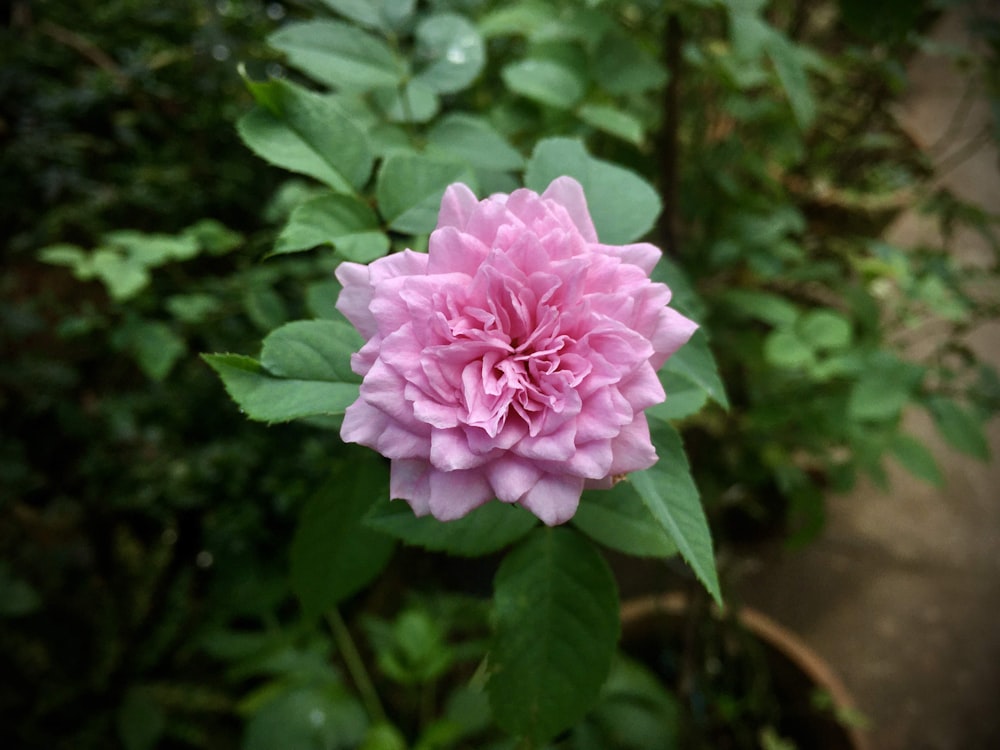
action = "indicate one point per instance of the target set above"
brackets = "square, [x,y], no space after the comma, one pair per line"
[513,360]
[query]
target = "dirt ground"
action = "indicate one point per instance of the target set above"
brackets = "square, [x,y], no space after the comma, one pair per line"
[901,594]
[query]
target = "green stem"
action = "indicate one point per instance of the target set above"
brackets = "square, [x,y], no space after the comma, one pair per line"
[356,666]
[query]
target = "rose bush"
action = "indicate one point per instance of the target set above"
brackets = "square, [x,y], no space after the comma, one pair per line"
[513,360]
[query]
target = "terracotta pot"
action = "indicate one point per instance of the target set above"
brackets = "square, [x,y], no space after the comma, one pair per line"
[796,669]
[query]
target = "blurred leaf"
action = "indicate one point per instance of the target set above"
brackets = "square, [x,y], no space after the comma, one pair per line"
[789,65]
[383,737]
[544,81]
[141,721]
[959,427]
[342,221]
[410,187]
[414,102]
[517,18]
[17,597]
[671,496]
[321,717]
[622,66]
[474,141]
[612,120]
[619,519]
[916,459]
[268,399]
[383,15]
[556,610]
[884,388]
[264,306]
[304,132]
[155,346]
[784,348]
[824,329]
[339,55]
[333,553]
[770,308]
[123,276]
[622,205]
[485,530]
[449,51]
[214,237]
[193,308]
[321,299]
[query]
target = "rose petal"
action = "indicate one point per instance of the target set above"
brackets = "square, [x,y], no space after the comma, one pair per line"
[456,493]
[569,193]
[554,499]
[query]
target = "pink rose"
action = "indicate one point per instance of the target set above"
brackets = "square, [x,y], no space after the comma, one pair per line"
[513,360]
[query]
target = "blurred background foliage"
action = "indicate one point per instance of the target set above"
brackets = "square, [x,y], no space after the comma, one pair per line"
[145,524]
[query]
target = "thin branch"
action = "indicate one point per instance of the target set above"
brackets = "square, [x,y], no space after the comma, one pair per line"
[87,49]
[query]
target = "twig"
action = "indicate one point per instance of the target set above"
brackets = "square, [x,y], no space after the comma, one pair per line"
[356,666]
[87,49]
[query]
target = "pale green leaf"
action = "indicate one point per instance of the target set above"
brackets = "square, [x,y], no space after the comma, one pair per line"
[313,717]
[671,496]
[344,222]
[265,398]
[410,187]
[339,55]
[556,625]
[449,52]
[544,81]
[414,102]
[622,205]
[612,120]
[474,141]
[622,66]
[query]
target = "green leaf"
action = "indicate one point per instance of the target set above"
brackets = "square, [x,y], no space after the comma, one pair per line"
[319,717]
[370,13]
[450,51]
[621,65]
[623,205]
[312,350]
[485,530]
[193,308]
[694,362]
[342,221]
[214,237]
[475,142]
[789,65]
[671,496]
[17,597]
[152,250]
[518,18]
[155,346]
[959,427]
[684,398]
[916,459]
[544,81]
[414,102]
[619,519]
[334,554]
[884,388]
[306,133]
[140,720]
[556,610]
[824,329]
[339,55]
[268,399]
[410,186]
[612,120]
[321,299]
[264,306]
[770,308]
[123,276]
[65,255]
[783,348]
